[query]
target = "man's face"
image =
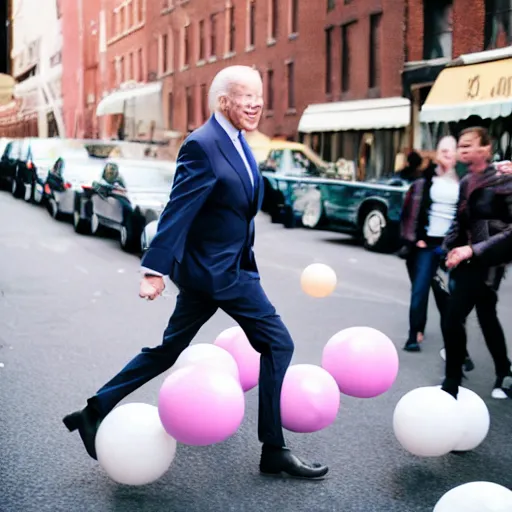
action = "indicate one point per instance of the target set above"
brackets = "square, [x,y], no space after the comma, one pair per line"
[471,151]
[244,104]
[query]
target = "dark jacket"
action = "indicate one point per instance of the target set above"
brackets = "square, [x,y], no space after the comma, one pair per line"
[206,233]
[484,217]
[414,216]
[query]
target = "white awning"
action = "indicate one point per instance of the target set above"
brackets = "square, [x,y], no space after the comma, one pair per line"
[374,114]
[114,103]
[481,89]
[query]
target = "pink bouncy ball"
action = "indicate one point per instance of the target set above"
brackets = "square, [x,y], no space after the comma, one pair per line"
[362,360]
[310,399]
[236,343]
[201,406]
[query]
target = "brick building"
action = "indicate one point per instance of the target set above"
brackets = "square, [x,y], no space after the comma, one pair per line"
[340,75]
[446,39]
[178,46]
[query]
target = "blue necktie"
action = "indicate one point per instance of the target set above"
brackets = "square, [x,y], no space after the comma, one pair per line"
[250,159]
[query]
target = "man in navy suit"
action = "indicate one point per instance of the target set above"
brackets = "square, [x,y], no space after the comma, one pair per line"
[204,244]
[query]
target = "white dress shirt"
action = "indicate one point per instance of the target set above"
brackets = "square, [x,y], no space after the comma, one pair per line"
[233,135]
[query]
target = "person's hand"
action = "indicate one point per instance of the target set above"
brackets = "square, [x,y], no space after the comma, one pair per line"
[421,244]
[151,287]
[458,255]
[504,167]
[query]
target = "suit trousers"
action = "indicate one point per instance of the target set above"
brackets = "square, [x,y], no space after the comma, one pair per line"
[473,286]
[255,314]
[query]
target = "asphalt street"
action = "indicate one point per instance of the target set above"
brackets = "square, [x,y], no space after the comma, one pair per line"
[70,317]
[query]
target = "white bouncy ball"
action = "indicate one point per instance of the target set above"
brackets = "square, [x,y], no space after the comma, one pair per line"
[208,355]
[476,497]
[132,445]
[318,280]
[427,422]
[476,420]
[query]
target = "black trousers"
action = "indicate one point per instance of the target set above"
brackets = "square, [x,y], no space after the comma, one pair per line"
[252,310]
[473,286]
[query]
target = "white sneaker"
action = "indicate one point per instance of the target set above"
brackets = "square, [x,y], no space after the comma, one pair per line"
[499,394]
[442,353]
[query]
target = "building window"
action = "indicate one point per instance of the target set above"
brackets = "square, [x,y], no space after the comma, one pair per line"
[131,74]
[213,36]
[204,102]
[252,23]
[290,80]
[186,45]
[121,70]
[190,108]
[165,56]
[345,56]
[114,24]
[113,74]
[270,89]
[170,110]
[201,40]
[122,17]
[498,26]
[231,24]
[141,11]
[273,19]
[129,15]
[331,4]
[374,60]
[294,16]
[140,65]
[438,21]
[328,60]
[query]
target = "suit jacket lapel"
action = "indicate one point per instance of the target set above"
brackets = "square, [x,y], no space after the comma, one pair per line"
[230,153]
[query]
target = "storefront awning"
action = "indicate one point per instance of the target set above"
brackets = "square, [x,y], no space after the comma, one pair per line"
[374,114]
[483,89]
[115,102]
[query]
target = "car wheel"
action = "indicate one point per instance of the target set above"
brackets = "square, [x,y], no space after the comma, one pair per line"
[129,238]
[95,224]
[80,225]
[375,229]
[312,214]
[53,208]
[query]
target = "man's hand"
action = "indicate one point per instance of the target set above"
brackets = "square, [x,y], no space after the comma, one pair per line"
[458,255]
[504,167]
[421,244]
[151,287]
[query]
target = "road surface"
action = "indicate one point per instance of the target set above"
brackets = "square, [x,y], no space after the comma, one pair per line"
[70,317]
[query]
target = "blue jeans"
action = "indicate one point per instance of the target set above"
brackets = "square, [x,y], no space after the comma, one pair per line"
[422,266]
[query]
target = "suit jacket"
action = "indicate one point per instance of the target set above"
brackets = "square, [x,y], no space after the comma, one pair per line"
[205,234]
[484,217]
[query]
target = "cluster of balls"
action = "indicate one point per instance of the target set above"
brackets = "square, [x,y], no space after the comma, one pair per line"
[202,402]
[202,399]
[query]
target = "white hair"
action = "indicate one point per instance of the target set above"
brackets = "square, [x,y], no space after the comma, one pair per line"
[226,78]
[447,142]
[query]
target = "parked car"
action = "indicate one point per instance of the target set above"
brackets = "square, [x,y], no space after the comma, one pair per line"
[62,187]
[9,160]
[129,195]
[301,190]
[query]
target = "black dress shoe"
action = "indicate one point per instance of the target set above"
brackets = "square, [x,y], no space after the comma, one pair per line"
[281,462]
[412,346]
[87,421]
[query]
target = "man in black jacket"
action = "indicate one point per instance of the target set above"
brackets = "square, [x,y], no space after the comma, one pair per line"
[476,246]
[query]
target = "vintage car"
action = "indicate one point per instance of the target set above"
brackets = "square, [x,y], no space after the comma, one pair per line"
[303,190]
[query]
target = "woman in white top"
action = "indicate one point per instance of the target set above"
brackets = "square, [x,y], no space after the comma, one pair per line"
[428,213]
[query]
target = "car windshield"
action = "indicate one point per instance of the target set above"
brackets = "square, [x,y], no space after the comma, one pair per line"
[146,178]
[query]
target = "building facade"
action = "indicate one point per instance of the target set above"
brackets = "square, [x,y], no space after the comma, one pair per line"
[439,34]
[36,65]
[162,56]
